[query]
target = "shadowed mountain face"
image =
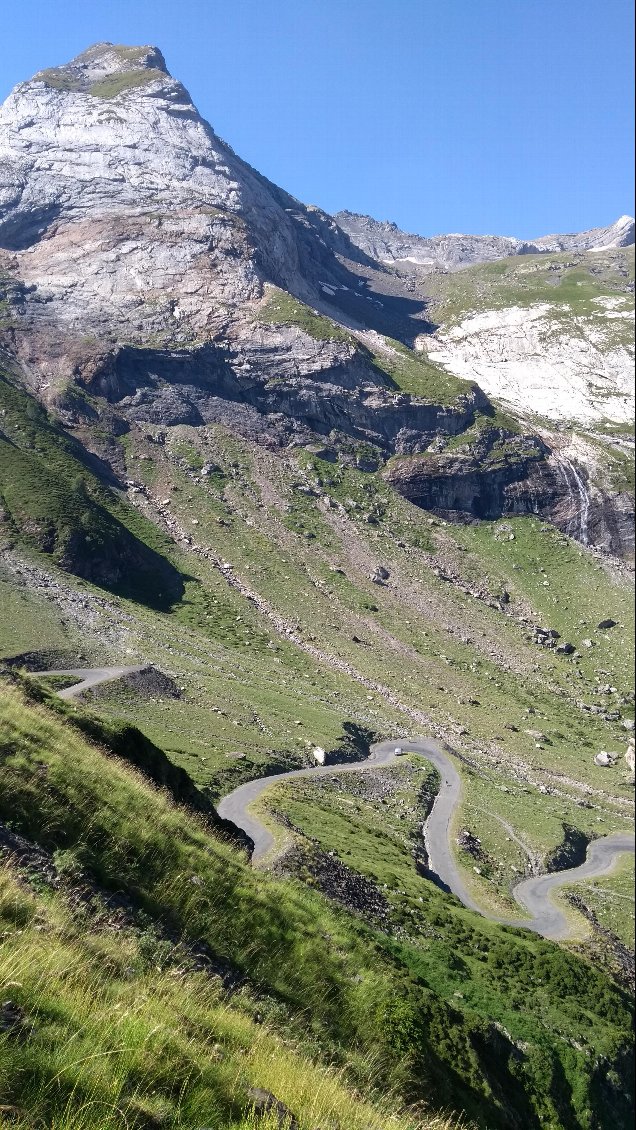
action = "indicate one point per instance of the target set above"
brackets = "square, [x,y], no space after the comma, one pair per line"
[149,275]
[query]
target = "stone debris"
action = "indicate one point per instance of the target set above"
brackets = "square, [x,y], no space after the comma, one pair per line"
[265,1103]
[335,880]
[605,759]
[546,637]
[380,575]
[13,1019]
[470,843]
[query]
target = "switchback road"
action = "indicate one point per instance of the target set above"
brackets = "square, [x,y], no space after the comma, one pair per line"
[90,677]
[533,895]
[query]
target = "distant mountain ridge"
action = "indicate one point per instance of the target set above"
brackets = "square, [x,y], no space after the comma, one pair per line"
[386,242]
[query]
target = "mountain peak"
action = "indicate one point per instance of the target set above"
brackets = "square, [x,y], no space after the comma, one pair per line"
[106,69]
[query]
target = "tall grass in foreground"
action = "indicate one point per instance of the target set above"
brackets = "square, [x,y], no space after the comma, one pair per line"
[113,1037]
[337,993]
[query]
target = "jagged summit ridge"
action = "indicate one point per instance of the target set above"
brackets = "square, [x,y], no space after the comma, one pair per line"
[139,248]
[116,196]
[385,241]
[125,215]
[154,148]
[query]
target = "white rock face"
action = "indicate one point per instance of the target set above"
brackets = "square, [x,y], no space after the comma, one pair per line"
[112,204]
[618,234]
[544,360]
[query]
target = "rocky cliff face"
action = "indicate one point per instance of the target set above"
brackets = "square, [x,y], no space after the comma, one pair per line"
[500,473]
[122,207]
[148,275]
[126,223]
[385,241]
[547,360]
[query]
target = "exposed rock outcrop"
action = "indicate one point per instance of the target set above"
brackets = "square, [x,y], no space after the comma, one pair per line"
[124,217]
[546,360]
[503,473]
[275,387]
[337,881]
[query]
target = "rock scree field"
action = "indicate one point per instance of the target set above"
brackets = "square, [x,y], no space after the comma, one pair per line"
[283,493]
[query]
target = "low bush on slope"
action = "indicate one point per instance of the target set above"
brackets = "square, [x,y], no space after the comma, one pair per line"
[322,976]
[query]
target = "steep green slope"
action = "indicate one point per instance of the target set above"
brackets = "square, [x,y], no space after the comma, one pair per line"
[319,974]
[53,502]
[283,640]
[433,647]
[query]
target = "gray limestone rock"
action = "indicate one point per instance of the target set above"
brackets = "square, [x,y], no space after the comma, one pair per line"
[386,242]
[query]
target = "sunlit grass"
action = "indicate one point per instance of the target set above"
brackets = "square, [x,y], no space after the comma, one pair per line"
[118,1039]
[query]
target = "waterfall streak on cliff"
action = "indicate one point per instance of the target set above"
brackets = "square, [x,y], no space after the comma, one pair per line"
[584,498]
[577,526]
[562,474]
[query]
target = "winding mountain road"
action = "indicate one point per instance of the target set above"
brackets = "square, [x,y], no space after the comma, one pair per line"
[90,677]
[533,895]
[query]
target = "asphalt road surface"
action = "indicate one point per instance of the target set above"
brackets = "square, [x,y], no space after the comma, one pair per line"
[533,895]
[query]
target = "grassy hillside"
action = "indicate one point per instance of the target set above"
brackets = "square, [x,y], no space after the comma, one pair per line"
[312,975]
[416,653]
[572,278]
[411,372]
[282,640]
[53,502]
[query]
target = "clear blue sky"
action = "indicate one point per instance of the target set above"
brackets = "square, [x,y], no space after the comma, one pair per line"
[499,116]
